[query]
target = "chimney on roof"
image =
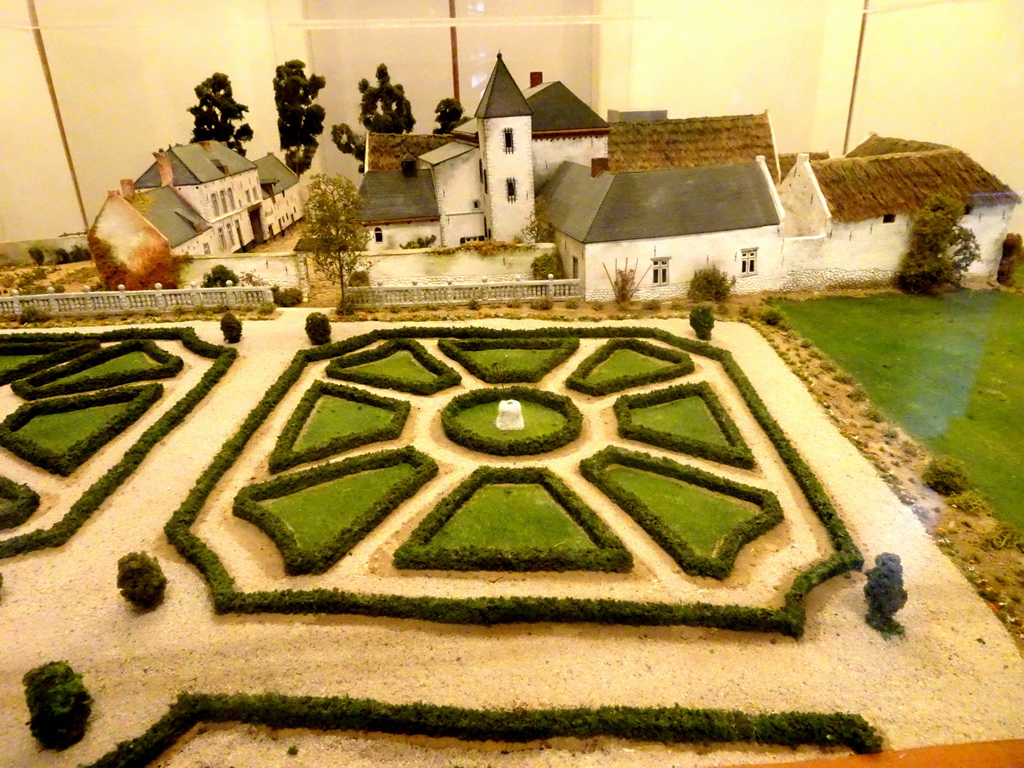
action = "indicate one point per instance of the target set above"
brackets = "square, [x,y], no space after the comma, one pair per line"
[408,165]
[205,145]
[127,187]
[536,78]
[163,164]
[598,165]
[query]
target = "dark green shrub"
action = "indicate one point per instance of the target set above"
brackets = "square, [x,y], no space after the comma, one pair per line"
[218,277]
[702,320]
[38,255]
[18,503]
[62,256]
[541,304]
[58,703]
[547,264]
[79,253]
[359,278]
[946,475]
[652,305]
[286,297]
[1013,256]
[34,315]
[710,284]
[885,594]
[318,328]
[941,248]
[266,309]
[141,580]
[474,304]
[419,242]
[772,316]
[231,327]
[347,307]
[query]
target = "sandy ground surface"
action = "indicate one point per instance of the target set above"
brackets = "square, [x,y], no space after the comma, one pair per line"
[956,676]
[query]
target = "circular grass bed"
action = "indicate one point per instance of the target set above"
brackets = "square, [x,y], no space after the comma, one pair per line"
[551,421]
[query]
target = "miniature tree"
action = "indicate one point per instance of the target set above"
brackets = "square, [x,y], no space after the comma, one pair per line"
[383,108]
[946,475]
[58,703]
[141,580]
[217,113]
[299,120]
[710,284]
[1013,257]
[318,328]
[333,228]
[449,114]
[231,327]
[219,276]
[941,249]
[702,320]
[885,594]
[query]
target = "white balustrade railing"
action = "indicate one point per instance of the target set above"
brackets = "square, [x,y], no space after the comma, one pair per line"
[160,299]
[484,291]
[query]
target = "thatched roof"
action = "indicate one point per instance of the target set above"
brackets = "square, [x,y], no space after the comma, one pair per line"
[387,149]
[691,143]
[788,160]
[889,145]
[859,188]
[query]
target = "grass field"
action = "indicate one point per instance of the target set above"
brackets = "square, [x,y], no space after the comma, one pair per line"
[625,362]
[401,365]
[7,362]
[949,370]
[519,360]
[512,517]
[337,417]
[60,431]
[700,517]
[131,361]
[686,417]
[538,419]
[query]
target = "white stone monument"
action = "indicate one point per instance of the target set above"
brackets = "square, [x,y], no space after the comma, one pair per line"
[510,416]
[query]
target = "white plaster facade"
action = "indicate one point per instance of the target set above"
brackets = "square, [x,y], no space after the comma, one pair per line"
[550,152]
[281,210]
[458,187]
[392,236]
[508,175]
[226,204]
[402,266]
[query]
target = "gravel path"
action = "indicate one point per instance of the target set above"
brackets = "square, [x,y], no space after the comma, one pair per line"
[955,677]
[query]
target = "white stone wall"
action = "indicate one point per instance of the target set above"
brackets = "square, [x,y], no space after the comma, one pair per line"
[245,192]
[15,252]
[989,224]
[401,267]
[507,219]
[285,270]
[548,154]
[807,212]
[201,244]
[397,235]
[460,198]
[283,210]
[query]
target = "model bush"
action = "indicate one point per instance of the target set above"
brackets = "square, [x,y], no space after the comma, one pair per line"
[771,315]
[231,327]
[547,264]
[710,284]
[79,253]
[702,320]
[318,328]
[419,242]
[941,248]
[38,255]
[218,277]
[286,297]
[58,704]
[885,594]
[946,475]
[1013,257]
[141,580]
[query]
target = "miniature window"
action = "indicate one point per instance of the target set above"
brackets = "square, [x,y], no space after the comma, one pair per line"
[659,271]
[248,195]
[378,235]
[575,268]
[510,146]
[224,200]
[238,230]
[220,237]
[889,218]
[510,190]
[476,205]
[231,198]
[216,210]
[748,261]
[206,248]
[968,210]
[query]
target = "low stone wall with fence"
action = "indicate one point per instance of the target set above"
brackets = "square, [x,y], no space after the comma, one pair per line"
[484,290]
[285,269]
[120,301]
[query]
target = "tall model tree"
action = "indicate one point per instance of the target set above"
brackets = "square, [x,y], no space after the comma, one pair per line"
[383,108]
[449,115]
[941,248]
[333,225]
[217,113]
[299,120]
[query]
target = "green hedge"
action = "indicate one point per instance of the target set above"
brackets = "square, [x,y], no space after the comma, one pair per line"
[611,554]
[298,560]
[788,620]
[139,399]
[736,453]
[445,376]
[682,365]
[285,457]
[53,353]
[721,564]
[509,445]
[90,501]
[18,503]
[668,725]
[561,350]
[47,383]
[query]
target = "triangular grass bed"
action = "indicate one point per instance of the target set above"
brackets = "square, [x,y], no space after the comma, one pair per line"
[702,520]
[61,433]
[21,359]
[400,364]
[18,503]
[688,418]
[124,363]
[332,418]
[506,361]
[624,363]
[316,516]
[522,519]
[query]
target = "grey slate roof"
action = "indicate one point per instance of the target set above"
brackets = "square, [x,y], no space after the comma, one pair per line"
[662,203]
[272,171]
[193,164]
[502,97]
[556,108]
[447,152]
[390,196]
[169,212]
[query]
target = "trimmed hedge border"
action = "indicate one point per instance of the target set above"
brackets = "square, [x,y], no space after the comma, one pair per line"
[561,349]
[667,725]
[446,376]
[47,383]
[787,620]
[417,553]
[512,446]
[53,353]
[22,503]
[90,501]
[736,453]
[285,457]
[718,566]
[682,365]
[299,561]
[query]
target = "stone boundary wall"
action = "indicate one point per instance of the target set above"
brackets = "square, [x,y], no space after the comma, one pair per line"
[14,253]
[391,267]
[116,302]
[284,269]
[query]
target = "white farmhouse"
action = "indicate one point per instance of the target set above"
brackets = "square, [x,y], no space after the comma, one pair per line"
[283,197]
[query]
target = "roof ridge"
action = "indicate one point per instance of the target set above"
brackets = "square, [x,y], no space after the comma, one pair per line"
[502,97]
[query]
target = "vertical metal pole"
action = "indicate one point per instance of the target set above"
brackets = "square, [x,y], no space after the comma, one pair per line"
[455,52]
[856,76]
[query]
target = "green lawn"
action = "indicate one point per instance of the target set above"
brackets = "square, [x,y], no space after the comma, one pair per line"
[949,369]
[131,361]
[512,517]
[698,516]
[625,362]
[318,514]
[686,417]
[538,420]
[334,417]
[7,362]
[400,365]
[59,431]
[524,360]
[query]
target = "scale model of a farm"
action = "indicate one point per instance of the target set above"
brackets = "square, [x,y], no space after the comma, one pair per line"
[563,537]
